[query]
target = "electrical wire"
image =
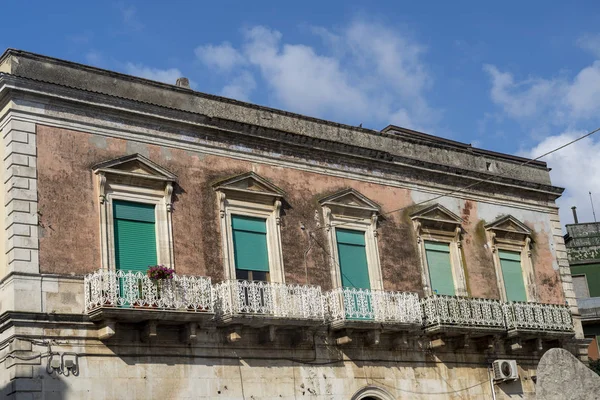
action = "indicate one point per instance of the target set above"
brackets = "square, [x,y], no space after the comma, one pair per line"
[454,191]
[429,393]
[336,263]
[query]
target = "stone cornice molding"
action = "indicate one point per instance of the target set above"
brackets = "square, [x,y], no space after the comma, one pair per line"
[306,146]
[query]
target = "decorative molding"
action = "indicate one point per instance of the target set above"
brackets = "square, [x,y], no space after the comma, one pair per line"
[251,195]
[510,234]
[146,182]
[62,93]
[438,224]
[372,392]
[135,166]
[249,183]
[102,187]
[510,224]
[352,210]
[350,202]
[168,196]
[138,130]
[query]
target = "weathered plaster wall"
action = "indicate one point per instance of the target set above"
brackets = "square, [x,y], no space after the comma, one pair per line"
[69,217]
[69,204]
[209,371]
[481,276]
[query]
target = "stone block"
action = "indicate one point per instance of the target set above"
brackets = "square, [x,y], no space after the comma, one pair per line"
[16,182]
[27,385]
[21,171]
[20,371]
[18,206]
[20,194]
[23,126]
[15,159]
[16,136]
[19,345]
[22,242]
[28,149]
[18,254]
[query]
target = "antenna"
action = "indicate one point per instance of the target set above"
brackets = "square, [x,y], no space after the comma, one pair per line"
[593,211]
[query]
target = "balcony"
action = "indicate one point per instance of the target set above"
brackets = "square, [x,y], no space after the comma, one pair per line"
[366,308]
[538,319]
[260,304]
[473,316]
[127,296]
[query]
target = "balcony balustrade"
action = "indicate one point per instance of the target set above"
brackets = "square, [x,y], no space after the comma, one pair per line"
[265,303]
[133,296]
[448,313]
[549,319]
[354,307]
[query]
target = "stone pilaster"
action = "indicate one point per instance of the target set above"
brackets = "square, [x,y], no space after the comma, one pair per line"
[21,291]
[565,271]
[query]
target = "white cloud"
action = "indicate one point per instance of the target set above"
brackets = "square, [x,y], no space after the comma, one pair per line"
[366,72]
[161,75]
[130,17]
[521,99]
[240,87]
[583,95]
[567,104]
[222,56]
[558,100]
[590,43]
[577,169]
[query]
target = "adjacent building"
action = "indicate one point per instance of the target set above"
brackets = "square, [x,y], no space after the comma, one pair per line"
[583,248]
[311,259]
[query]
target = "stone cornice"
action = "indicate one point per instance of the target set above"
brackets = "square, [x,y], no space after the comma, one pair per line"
[293,143]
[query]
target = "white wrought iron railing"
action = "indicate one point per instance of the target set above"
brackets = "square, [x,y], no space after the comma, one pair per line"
[462,312]
[129,289]
[539,317]
[373,305]
[291,301]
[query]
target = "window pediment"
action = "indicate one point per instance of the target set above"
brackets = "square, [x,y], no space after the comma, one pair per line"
[437,217]
[350,202]
[509,228]
[135,166]
[249,185]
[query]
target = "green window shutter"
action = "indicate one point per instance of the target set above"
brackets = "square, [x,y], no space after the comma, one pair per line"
[353,258]
[135,235]
[510,261]
[250,243]
[440,268]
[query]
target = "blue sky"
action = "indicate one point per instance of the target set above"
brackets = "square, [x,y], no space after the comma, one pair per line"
[516,77]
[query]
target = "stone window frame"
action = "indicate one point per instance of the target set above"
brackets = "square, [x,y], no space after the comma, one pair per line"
[253,196]
[349,209]
[509,234]
[436,223]
[137,179]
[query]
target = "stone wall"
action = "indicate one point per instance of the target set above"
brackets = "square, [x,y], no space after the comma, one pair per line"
[126,368]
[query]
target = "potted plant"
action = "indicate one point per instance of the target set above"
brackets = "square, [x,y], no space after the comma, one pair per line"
[159,274]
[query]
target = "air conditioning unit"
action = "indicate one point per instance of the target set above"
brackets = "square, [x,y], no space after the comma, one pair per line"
[505,370]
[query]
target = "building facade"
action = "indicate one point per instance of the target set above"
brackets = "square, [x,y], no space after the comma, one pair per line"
[583,249]
[311,259]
